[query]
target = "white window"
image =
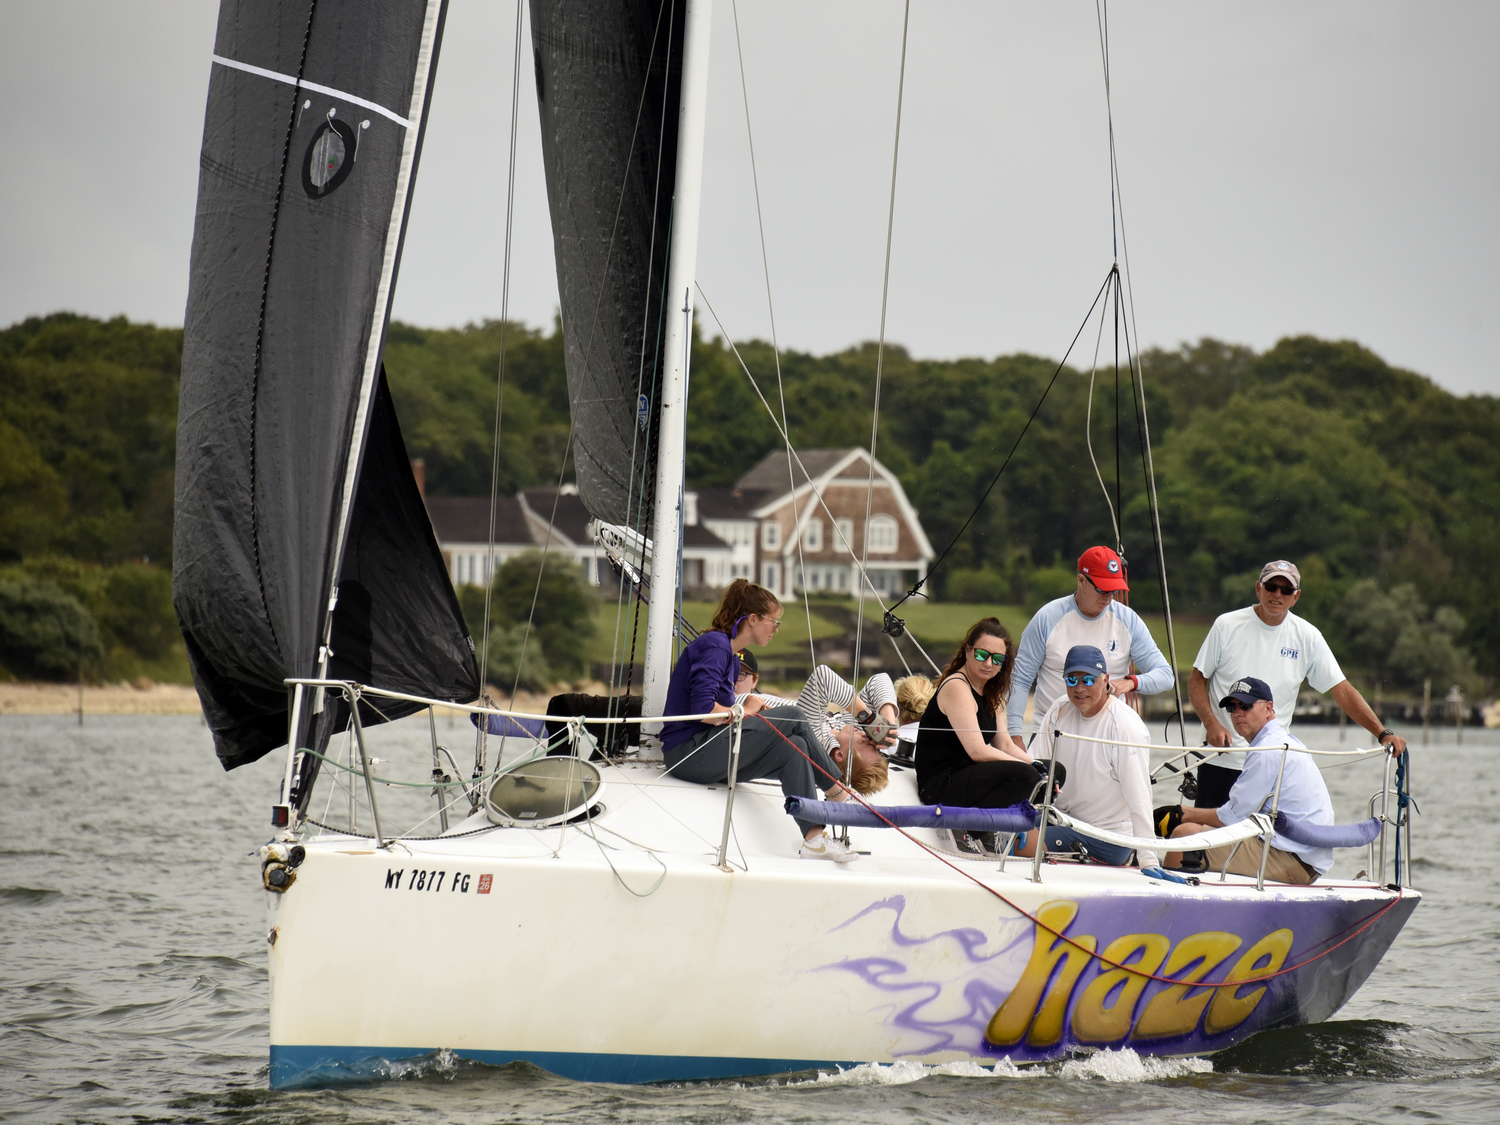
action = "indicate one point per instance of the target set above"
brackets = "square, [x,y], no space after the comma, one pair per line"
[812,535]
[843,578]
[844,540]
[770,535]
[772,578]
[882,534]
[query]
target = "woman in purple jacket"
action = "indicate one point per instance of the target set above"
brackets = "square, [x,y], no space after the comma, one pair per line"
[703,683]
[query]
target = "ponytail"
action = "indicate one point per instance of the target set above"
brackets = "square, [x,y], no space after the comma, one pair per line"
[741,600]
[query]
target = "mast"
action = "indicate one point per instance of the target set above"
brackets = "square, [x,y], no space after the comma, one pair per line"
[666,530]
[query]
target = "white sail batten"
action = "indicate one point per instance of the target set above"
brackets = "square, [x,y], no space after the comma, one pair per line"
[666,529]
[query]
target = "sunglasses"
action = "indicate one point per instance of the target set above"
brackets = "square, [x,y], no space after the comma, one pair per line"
[1072,680]
[1282,588]
[1233,705]
[775,624]
[982,655]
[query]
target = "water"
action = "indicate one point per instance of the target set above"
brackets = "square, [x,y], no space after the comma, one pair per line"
[133,974]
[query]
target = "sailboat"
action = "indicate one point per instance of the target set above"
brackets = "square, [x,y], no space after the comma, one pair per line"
[597,918]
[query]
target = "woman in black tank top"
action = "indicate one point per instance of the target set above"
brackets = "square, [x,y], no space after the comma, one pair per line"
[962,756]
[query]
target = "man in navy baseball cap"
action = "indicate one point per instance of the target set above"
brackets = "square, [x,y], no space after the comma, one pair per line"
[1086,658]
[1277,764]
[1248,691]
[1098,740]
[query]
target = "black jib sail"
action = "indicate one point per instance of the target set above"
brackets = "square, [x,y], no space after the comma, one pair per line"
[301,545]
[608,82]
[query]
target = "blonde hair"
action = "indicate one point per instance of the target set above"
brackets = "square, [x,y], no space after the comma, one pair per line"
[913,694]
[868,778]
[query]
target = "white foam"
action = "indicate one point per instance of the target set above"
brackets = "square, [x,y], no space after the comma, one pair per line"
[905,1071]
[1125,1065]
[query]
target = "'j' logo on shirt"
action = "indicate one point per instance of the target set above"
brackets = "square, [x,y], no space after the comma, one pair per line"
[1290,653]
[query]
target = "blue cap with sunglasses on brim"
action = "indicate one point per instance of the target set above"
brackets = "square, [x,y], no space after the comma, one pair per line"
[1084,658]
[1248,691]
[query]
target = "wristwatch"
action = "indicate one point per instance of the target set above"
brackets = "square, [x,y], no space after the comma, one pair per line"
[1383,735]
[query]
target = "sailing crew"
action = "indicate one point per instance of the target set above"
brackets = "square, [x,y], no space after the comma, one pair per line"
[1088,616]
[963,757]
[1269,639]
[869,772]
[1251,707]
[1109,786]
[777,742]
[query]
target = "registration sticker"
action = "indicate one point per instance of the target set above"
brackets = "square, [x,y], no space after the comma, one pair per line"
[484,884]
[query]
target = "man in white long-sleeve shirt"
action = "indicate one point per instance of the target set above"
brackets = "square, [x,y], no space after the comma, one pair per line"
[1089,616]
[1109,782]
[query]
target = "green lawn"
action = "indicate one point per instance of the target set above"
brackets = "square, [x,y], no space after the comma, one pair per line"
[790,640]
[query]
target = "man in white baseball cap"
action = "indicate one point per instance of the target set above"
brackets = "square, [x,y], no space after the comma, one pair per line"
[1267,640]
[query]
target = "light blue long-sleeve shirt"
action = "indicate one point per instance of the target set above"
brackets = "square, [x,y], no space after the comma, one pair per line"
[1304,796]
[1118,632]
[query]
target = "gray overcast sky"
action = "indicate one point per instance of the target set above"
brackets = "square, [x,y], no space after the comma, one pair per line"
[1324,167]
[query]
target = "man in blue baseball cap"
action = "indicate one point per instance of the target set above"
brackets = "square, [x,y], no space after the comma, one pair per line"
[1109,781]
[1251,706]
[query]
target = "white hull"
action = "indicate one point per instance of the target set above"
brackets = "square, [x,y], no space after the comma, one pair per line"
[780,964]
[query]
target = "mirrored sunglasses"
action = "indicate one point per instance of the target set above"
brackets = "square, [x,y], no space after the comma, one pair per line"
[981,655]
[1072,680]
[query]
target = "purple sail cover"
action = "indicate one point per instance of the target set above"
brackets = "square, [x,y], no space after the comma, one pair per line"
[1328,835]
[1016,818]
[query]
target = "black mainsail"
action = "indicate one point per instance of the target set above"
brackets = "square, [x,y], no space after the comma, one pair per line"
[301,545]
[608,82]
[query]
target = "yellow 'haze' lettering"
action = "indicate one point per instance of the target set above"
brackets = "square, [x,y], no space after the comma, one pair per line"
[1037,1006]
[1010,1023]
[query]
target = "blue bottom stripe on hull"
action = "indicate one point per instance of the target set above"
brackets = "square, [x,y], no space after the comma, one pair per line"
[298,1067]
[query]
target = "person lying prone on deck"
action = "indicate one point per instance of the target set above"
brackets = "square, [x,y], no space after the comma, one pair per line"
[775,741]
[1304,796]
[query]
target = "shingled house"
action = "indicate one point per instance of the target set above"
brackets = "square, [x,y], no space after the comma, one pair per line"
[789,540]
[750,530]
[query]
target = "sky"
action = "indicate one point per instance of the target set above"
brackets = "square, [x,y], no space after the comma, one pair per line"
[1322,166]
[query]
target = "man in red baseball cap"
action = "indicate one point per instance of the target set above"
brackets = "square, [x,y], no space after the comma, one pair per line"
[1088,616]
[1104,570]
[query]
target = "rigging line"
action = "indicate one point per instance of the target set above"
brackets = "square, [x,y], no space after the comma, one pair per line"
[885,292]
[917,587]
[1117,213]
[1101,13]
[811,486]
[1088,430]
[765,262]
[481,744]
[541,569]
[1119,501]
[1138,396]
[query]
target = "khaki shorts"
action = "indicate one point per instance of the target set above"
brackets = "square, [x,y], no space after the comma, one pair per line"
[1282,867]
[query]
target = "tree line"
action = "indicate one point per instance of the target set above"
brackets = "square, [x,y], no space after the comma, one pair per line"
[1382,486]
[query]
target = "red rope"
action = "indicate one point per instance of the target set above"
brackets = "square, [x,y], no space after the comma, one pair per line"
[1367,922]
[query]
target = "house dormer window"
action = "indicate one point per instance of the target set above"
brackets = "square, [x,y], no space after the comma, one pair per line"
[882,535]
[812,535]
[770,535]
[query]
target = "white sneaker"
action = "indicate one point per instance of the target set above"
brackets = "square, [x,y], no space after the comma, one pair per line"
[828,847]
